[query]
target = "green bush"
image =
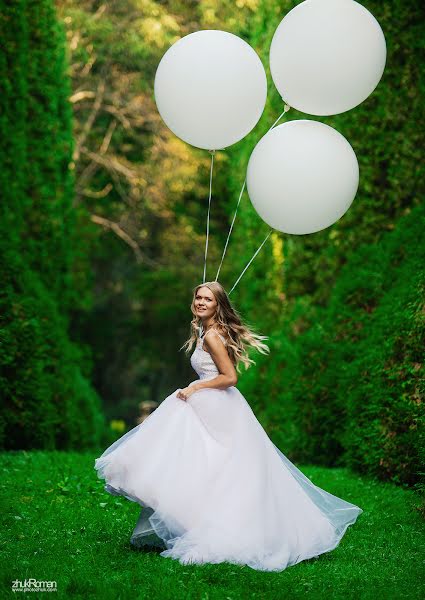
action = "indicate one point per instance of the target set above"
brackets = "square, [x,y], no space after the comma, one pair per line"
[349,388]
[48,401]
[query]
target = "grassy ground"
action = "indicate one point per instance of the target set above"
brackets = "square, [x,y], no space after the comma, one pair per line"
[59,524]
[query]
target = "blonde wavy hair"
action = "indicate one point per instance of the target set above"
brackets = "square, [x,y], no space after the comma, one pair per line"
[240,336]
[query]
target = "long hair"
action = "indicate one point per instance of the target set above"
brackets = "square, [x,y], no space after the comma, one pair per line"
[241,336]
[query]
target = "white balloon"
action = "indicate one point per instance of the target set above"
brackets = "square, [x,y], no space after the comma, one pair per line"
[327,56]
[302,177]
[210,89]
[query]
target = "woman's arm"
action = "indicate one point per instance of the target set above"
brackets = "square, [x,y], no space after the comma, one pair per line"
[228,375]
[222,382]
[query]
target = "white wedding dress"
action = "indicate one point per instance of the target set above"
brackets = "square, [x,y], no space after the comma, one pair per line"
[216,489]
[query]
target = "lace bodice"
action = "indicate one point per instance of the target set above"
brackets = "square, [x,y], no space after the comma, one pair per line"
[202,361]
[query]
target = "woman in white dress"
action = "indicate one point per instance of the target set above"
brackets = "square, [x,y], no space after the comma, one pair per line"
[212,485]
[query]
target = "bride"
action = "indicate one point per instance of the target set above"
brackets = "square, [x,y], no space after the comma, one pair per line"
[212,485]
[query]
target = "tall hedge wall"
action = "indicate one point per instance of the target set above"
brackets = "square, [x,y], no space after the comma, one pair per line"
[47,399]
[349,388]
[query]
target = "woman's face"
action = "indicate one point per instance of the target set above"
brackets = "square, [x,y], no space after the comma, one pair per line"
[205,303]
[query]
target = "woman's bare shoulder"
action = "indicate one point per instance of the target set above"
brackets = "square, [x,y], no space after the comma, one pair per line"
[215,330]
[222,331]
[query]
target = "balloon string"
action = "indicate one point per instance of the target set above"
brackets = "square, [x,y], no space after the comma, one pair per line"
[258,250]
[230,230]
[287,107]
[208,217]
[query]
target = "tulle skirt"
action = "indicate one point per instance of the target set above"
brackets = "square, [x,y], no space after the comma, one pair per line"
[216,489]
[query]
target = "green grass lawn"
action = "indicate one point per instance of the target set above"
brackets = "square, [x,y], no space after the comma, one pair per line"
[59,524]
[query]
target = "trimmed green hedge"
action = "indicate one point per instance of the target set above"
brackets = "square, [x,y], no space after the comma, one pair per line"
[349,389]
[48,401]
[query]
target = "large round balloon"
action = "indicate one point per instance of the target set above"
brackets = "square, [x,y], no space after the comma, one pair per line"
[210,89]
[327,56]
[302,177]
